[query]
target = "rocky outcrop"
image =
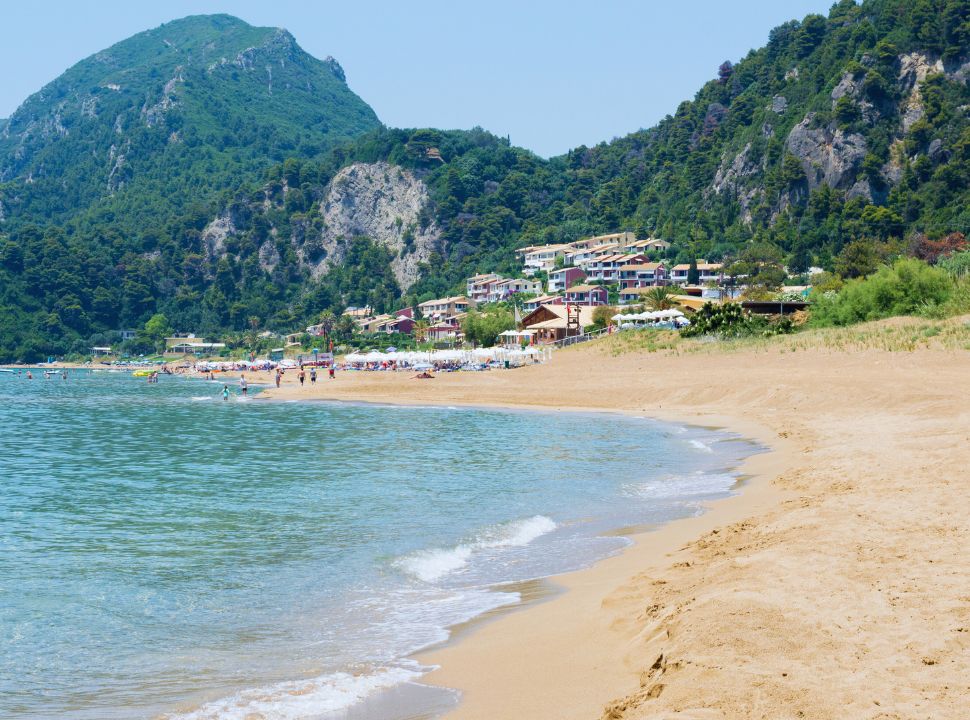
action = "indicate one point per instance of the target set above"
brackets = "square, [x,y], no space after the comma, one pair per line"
[828,156]
[731,177]
[381,202]
[215,233]
[913,69]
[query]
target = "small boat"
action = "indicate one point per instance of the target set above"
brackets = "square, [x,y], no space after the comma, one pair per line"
[6,370]
[142,373]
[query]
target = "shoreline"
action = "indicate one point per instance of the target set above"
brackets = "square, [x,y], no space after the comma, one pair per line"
[566,657]
[457,660]
[829,586]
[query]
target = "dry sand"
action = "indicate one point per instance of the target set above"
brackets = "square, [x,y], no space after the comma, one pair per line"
[834,586]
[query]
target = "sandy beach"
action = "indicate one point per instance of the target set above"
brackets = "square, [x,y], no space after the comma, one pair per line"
[833,585]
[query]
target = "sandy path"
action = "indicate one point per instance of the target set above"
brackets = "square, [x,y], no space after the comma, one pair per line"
[834,586]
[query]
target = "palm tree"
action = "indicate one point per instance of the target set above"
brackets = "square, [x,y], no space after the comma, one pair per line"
[420,329]
[659,298]
[327,322]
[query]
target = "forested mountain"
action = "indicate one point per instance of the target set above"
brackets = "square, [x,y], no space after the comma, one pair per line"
[845,129]
[167,118]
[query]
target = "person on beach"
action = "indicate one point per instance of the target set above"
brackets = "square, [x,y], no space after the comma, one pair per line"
[331,370]
[302,376]
[243,385]
[279,375]
[313,376]
[225,392]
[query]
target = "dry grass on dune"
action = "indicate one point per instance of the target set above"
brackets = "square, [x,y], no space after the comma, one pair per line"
[899,334]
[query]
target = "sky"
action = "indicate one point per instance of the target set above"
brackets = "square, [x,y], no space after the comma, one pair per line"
[550,74]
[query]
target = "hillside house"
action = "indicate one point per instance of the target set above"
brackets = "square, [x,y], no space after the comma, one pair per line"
[562,278]
[640,275]
[445,308]
[530,305]
[478,287]
[607,268]
[504,289]
[587,295]
[707,272]
[535,259]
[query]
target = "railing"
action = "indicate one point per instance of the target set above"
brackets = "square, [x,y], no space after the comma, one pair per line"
[575,339]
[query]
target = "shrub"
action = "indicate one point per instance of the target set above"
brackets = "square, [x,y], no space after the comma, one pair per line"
[730,320]
[905,288]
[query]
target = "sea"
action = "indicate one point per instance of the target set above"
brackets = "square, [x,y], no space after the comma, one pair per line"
[165,553]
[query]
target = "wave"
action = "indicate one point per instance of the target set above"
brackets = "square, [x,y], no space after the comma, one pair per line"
[683,486]
[431,565]
[701,446]
[201,398]
[300,699]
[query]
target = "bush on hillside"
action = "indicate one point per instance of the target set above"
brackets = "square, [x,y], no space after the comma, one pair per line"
[907,287]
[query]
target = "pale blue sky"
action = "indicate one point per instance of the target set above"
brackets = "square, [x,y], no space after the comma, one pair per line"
[550,74]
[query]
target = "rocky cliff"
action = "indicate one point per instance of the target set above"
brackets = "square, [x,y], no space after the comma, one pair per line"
[384,203]
[831,146]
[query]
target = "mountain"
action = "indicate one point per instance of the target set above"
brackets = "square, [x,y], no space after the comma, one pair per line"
[847,127]
[170,117]
[843,132]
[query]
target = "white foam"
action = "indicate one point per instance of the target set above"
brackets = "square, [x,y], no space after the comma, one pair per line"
[701,446]
[201,398]
[431,565]
[518,533]
[683,486]
[301,699]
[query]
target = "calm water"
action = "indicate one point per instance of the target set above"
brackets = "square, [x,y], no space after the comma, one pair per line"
[167,554]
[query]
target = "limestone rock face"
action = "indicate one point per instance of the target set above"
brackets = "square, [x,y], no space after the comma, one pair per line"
[913,69]
[827,156]
[381,202]
[731,177]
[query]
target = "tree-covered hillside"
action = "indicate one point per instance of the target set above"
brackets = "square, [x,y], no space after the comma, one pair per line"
[138,132]
[845,134]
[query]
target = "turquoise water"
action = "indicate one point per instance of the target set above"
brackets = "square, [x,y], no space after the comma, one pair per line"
[167,554]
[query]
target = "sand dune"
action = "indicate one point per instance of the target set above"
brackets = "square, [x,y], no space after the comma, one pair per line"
[834,586]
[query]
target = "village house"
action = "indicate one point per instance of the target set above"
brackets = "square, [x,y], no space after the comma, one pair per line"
[607,268]
[707,272]
[582,258]
[562,278]
[358,313]
[446,330]
[632,295]
[401,321]
[530,305]
[549,323]
[589,295]
[615,239]
[445,308]
[639,275]
[644,246]
[503,289]
[536,259]
[478,287]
